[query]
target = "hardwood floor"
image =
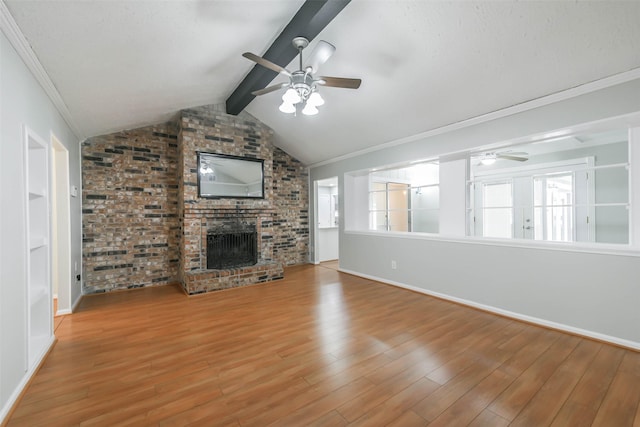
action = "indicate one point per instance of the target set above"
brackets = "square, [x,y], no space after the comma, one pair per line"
[333,264]
[320,348]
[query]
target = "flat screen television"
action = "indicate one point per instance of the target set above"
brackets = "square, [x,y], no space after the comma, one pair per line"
[223,176]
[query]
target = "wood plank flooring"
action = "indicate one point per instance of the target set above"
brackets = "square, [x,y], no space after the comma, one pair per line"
[320,348]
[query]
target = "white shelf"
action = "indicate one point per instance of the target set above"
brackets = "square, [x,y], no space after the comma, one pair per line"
[36,242]
[34,143]
[39,305]
[37,295]
[36,193]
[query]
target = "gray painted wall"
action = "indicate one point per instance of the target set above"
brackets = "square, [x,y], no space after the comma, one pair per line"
[23,102]
[593,292]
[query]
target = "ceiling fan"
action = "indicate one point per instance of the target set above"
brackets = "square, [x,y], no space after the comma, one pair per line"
[490,157]
[302,87]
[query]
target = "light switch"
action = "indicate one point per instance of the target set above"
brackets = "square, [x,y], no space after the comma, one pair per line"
[74,191]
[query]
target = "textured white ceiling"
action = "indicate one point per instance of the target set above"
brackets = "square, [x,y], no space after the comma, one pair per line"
[122,64]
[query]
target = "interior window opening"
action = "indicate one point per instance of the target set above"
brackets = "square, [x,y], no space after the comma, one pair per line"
[574,189]
[405,199]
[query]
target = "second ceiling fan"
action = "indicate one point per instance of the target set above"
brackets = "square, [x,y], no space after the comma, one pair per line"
[489,157]
[302,85]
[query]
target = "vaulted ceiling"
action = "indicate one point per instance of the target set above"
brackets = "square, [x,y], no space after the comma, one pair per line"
[124,64]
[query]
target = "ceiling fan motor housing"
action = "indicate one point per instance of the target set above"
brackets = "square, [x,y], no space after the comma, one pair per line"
[302,82]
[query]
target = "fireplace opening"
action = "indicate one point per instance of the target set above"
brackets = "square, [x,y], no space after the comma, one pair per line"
[228,248]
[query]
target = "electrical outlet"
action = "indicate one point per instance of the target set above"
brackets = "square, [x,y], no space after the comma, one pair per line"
[394,264]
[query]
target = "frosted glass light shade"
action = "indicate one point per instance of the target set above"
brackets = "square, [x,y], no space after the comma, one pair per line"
[288,108]
[488,159]
[315,99]
[309,110]
[291,96]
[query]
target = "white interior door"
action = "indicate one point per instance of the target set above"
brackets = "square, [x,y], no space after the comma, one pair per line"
[523,208]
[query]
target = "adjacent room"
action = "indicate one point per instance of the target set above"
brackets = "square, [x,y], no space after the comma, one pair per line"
[319,212]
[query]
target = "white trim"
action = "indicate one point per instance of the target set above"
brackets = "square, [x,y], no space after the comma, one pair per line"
[580,247]
[573,92]
[628,120]
[19,42]
[13,399]
[60,152]
[75,304]
[528,170]
[634,187]
[511,314]
[316,232]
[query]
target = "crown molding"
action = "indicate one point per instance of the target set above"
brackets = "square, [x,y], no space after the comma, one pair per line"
[19,42]
[573,92]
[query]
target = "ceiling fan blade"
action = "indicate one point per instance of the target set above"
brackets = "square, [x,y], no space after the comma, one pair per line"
[269,89]
[515,153]
[320,54]
[266,63]
[516,158]
[339,82]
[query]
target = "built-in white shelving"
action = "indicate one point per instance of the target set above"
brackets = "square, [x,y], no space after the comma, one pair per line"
[39,308]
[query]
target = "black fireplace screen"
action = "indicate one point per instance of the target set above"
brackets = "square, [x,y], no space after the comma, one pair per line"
[231,249]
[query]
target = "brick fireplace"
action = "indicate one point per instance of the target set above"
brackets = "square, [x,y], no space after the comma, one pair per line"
[144,224]
[202,130]
[198,223]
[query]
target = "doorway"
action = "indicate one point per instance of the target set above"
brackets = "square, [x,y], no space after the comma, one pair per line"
[327,220]
[60,228]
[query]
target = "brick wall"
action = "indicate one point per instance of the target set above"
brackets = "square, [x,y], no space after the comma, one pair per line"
[291,219]
[143,221]
[130,223]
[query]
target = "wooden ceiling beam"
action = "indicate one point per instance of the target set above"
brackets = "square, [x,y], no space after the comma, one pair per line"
[312,17]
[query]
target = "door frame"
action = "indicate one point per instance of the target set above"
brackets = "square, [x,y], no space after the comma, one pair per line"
[316,223]
[61,223]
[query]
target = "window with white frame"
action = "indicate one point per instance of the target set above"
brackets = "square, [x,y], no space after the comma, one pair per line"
[405,198]
[553,207]
[497,209]
[575,189]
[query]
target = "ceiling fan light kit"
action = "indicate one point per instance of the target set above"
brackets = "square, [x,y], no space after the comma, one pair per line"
[287,108]
[309,110]
[302,89]
[489,158]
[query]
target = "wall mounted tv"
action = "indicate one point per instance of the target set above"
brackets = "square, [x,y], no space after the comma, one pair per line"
[222,176]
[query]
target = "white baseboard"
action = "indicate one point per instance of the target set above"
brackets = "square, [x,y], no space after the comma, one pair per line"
[69,310]
[24,382]
[511,314]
